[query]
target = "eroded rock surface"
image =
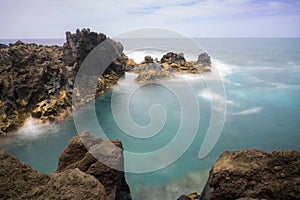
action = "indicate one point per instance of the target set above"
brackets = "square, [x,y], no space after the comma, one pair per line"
[76,155]
[38,80]
[254,174]
[79,175]
[153,70]
[20,181]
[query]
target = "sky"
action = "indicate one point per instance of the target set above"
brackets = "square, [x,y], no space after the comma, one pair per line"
[22,19]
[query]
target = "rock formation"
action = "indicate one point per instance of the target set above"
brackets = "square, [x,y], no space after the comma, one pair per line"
[76,155]
[79,175]
[38,80]
[170,63]
[254,174]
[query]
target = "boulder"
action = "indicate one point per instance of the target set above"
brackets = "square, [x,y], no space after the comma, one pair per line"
[80,154]
[254,174]
[204,59]
[173,58]
[20,181]
[148,59]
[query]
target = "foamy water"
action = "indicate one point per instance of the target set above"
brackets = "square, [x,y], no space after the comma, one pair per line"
[32,130]
[263,111]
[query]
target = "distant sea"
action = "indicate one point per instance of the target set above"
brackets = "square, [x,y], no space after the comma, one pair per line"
[52,41]
[262,84]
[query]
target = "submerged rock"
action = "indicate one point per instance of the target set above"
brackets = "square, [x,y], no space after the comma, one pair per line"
[254,174]
[79,175]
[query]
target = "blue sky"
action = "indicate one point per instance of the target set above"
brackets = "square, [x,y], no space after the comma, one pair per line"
[202,18]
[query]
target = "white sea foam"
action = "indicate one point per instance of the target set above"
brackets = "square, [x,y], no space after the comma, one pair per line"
[223,68]
[33,129]
[139,55]
[208,95]
[250,111]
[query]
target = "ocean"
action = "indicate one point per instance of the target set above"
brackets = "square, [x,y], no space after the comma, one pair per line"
[261,79]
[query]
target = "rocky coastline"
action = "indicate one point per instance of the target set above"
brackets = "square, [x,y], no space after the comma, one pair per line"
[79,174]
[244,175]
[38,80]
[252,175]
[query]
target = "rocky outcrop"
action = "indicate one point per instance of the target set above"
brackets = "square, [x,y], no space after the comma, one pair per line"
[254,174]
[81,152]
[79,175]
[153,70]
[29,75]
[38,80]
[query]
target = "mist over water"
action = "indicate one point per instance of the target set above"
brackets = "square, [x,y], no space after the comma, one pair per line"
[262,85]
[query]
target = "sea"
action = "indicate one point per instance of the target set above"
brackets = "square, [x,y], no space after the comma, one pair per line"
[250,100]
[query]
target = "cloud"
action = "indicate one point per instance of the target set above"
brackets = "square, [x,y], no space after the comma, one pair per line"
[41,18]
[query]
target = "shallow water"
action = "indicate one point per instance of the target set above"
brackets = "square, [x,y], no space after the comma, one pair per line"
[262,85]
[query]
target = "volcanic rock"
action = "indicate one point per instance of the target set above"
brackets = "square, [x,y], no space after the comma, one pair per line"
[38,81]
[254,174]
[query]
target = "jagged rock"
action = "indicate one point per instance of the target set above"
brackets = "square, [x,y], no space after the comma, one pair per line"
[33,77]
[254,174]
[130,64]
[148,59]
[24,79]
[3,46]
[173,58]
[79,45]
[76,155]
[204,59]
[153,70]
[20,181]
[178,62]
[203,62]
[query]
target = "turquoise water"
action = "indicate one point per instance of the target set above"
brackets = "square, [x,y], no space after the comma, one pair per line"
[262,85]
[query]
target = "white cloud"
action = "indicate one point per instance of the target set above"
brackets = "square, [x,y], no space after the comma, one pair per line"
[41,18]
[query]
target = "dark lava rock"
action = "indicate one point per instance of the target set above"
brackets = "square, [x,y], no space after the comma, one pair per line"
[148,59]
[173,58]
[254,174]
[38,80]
[204,59]
[3,46]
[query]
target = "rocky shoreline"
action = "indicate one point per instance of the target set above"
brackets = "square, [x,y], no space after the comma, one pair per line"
[38,80]
[79,174]
[245,174]
[252,174]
